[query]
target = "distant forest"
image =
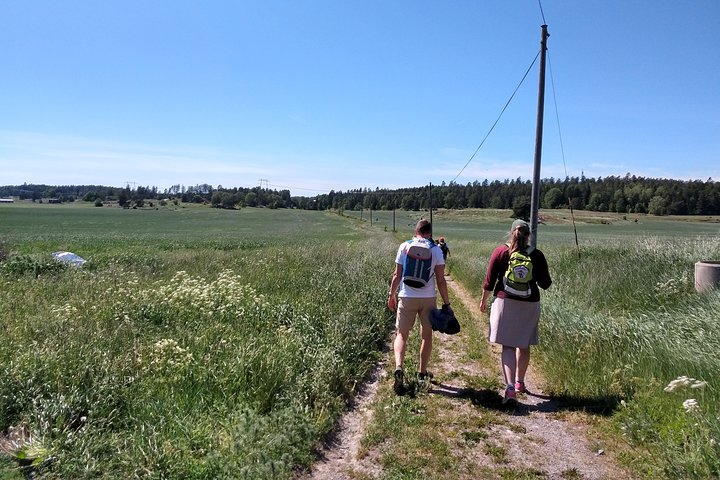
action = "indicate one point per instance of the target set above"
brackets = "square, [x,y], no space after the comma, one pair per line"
[628,194]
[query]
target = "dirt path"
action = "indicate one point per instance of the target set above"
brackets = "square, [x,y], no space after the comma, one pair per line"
[535,436]
[340,453]
[542,440]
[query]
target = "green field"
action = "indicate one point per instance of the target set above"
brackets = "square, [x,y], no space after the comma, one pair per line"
[195,343]
[207,343]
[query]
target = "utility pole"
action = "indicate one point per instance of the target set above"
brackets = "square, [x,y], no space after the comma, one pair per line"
[431,205]
[535,198]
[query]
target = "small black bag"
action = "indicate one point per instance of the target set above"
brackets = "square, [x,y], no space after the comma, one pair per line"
[443,320]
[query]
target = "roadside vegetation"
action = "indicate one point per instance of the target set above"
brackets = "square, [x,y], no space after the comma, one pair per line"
[625,335]
[223,355]
[210,343]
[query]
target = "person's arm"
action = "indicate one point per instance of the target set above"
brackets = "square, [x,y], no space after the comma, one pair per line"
[483,300]
[394,284]
[442,284]
[490,277]
[543,278]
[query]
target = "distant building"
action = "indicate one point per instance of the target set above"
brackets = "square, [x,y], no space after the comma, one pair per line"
[7,200]
[53,200]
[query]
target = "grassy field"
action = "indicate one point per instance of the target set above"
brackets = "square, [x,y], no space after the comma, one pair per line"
[206,343]
[195,343]
[621,324]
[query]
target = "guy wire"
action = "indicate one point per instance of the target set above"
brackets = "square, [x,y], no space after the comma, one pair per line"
[562,151]
[498,118]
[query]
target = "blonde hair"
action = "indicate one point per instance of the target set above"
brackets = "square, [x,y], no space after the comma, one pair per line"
[518,238]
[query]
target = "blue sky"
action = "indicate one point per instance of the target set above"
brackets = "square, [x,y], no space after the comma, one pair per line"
[316,95]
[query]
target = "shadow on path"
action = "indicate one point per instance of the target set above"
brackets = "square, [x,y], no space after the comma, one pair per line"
[528,402]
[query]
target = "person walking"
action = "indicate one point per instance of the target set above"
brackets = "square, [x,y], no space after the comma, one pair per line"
[444,248]
[515,271]
[419,267]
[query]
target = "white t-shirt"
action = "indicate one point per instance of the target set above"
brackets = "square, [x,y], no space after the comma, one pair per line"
[428,291]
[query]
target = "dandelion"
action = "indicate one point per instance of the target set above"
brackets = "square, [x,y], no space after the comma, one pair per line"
[691,405]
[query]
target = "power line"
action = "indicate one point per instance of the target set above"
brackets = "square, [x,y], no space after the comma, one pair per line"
[498,119]
[293,188]
[542,12]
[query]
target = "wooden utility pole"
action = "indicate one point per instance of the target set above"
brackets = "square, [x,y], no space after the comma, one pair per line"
[535,198]
[431,205]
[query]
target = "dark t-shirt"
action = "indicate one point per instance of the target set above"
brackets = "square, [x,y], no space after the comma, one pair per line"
[498,265]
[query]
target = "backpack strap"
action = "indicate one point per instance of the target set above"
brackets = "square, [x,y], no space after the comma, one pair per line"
[427,240]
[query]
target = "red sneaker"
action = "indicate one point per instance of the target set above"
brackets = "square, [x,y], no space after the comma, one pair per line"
[520,387]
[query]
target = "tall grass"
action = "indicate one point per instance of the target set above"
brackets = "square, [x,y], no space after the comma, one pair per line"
[216,358]
[621,323]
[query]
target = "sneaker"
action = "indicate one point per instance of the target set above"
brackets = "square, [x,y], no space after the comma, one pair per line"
[399,387]
[509,395]
[520,387]
[425,376]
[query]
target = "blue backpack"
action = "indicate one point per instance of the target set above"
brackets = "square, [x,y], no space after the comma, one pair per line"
[417,270]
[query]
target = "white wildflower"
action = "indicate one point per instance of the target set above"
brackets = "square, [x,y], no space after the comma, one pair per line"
[682,382]
[691,405]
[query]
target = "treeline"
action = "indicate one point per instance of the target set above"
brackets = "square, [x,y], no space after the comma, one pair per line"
[628,194]
[142,196]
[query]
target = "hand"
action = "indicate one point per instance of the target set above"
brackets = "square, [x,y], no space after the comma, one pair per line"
[446,307]
[392,302]
[483,306]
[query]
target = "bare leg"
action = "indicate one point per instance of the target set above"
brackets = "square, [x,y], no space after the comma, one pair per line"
[509,363]
[425,346]
[399,346]
[523,360]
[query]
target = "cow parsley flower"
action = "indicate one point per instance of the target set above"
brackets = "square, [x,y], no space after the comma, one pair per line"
[691,405]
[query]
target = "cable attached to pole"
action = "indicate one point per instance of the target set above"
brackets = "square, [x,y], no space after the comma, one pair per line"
[562,151]
[498,118]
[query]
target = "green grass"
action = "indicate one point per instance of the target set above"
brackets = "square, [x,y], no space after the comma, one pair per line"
[195,343]
[620,323]
[204,343]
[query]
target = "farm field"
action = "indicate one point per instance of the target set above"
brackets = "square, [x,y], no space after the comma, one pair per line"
[206,343]
[195,343]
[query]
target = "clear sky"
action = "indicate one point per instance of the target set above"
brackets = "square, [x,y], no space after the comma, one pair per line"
[316,95]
